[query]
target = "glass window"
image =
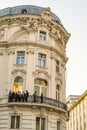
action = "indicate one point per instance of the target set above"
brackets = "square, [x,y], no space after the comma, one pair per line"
[20,57]
[42,35]
[15,122]
[58,125]
[18,84]
[57,92]
[40,86]
[40,123]
[57,65]
[41,60]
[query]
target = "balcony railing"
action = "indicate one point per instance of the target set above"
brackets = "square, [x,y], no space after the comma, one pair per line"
[46,100]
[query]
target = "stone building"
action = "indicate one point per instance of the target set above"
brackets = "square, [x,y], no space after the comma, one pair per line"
[33,58]
[78,114]
[71,99]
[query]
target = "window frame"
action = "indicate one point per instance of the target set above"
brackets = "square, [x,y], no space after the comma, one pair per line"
[40,123]
[57,66]
[40,87]
[20,60]
[42,35]
[58,92]
[15,121]
[58,125]
[18,83]
[41,60]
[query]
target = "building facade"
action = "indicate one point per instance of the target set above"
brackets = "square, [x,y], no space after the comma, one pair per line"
[78,114]
[33,58]
[71,99]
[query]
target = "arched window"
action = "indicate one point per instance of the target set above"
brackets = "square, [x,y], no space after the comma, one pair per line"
[58,92]
[40,85]
[18,84]
[24,11]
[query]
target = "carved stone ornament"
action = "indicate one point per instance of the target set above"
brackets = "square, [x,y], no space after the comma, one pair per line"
[42,111]
[40,73]
[30,51]
[19,70]
[46,15]
[10,52]
[30,26]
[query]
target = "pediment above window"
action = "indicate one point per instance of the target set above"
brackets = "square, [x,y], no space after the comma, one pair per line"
[18,71]
[41,74]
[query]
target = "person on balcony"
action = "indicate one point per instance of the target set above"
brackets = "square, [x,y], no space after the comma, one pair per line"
[26,96]
[35,96]
[10,96]
[41,97]
[23,96]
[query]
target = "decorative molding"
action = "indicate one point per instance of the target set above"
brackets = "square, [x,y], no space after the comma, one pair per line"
[30,23]
[30,51]
[41,74]
[19,70]
[10,52]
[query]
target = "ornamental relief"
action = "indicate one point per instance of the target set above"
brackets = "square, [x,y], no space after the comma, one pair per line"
[2,52]
[41,74]
[31,24]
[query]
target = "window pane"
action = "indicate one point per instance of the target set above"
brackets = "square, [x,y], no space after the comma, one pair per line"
[36,88]
[58,125]
[42,123]
[39,62]
[37,123]
[18,79]
[42,35]
[43,63]
[18,122]
[18,60]
[12,121]
[22,60]
[44,91]
[20,53]
[20,57]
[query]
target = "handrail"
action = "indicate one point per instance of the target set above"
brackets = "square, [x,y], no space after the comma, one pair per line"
[46,100]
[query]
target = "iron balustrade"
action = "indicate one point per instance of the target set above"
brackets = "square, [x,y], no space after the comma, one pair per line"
[46,100]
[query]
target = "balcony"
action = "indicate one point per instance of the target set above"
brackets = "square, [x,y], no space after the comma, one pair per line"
[47,102]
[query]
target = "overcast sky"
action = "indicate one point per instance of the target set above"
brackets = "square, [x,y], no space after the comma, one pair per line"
[73,14]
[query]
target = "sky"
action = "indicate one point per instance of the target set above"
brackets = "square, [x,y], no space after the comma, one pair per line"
[73,15]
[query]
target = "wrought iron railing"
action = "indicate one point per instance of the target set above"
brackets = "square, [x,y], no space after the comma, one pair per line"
[49,101]
[46,100]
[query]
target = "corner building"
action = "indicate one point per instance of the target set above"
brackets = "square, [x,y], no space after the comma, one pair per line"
[33,58]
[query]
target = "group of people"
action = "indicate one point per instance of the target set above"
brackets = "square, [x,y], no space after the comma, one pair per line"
[17,96]
[35,97]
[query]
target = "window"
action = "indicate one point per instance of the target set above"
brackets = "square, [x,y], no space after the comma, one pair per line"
[57,65]
[20,57]
[15,122]
[57,92]
[58,125]
[42,35]
[40,123]
[18,84]
[40,86]
[24,11]
[41,60]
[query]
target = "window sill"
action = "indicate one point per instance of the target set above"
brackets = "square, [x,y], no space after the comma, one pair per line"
[41,67]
